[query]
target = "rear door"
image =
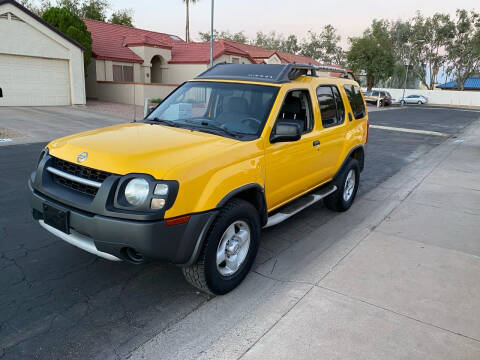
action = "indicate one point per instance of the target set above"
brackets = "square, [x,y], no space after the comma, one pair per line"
[331,108]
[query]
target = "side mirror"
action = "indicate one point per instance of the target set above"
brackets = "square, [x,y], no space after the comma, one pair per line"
[285,132]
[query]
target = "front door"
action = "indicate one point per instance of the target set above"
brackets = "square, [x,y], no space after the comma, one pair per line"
[293,167]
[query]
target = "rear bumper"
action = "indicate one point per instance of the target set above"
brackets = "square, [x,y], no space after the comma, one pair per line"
[109,237]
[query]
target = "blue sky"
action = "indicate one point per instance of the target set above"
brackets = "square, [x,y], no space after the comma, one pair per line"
[350,17]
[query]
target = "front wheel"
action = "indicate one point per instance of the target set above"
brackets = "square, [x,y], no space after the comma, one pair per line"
[402,102]
[229,249]
[347,185]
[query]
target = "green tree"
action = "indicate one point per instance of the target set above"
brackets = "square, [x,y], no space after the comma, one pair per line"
[274,41]
[226,35]
[122,17]
[39,9]
[324,46]
[74,6]
[95,9]
[428,38]
[72,26]
[271,41]
[464,47]
[291,44]
[373,53]
[187,19]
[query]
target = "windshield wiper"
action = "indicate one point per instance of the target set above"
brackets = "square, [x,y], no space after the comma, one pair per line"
[209,125]
[166,122]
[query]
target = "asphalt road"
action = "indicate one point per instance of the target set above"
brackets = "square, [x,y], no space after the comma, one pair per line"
[59,302]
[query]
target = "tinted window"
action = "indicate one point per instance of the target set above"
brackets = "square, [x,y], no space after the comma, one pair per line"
[297,108]
[356,101]
[331,106]
[375,93]
[339,105]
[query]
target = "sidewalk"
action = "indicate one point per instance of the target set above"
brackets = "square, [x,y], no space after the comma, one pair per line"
[396,277]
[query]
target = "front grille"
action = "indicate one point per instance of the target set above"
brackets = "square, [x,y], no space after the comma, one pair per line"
[79,171]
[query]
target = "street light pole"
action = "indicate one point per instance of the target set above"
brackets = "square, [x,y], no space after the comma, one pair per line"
[406,73]
[211,35]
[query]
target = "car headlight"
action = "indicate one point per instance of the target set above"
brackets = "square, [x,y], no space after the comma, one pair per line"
[136,191]
[141,192]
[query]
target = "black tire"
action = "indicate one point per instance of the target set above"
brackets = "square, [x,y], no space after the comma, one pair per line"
[402,102]
[419,102]
[336,200]
[204,275]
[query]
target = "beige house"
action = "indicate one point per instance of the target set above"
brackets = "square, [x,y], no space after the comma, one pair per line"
[129,64]
[39,65]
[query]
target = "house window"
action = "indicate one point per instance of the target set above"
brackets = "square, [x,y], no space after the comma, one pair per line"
[122,73]
[235,60]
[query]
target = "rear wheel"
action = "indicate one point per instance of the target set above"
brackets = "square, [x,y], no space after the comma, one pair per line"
[402,102]
[419,102]
[229,249]
[347,185]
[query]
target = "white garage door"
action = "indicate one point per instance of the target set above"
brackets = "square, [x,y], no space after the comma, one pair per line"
[33,81]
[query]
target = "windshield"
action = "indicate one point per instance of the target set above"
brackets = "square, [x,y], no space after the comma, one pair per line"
[227,109]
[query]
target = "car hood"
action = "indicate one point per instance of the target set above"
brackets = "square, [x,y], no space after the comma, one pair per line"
[138,148]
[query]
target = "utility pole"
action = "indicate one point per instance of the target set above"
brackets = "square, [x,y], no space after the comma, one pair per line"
[211,35]
[406,73]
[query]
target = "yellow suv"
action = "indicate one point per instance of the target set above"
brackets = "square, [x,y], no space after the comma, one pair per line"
[237,149]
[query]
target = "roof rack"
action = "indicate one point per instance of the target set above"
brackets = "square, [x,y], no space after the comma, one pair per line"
[270,73]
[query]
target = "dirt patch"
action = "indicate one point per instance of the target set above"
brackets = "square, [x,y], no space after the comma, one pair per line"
[9,134]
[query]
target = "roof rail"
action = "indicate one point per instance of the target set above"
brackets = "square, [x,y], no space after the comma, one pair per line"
[270,73]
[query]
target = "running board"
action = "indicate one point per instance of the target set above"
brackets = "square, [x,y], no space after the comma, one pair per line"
[298,205]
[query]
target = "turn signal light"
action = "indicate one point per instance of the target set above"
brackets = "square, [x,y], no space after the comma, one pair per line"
[177,220]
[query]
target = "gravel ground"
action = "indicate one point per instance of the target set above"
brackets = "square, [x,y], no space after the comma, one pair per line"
[122,110]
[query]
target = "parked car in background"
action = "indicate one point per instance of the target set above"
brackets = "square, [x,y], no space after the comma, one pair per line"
[373,96]
[414,99]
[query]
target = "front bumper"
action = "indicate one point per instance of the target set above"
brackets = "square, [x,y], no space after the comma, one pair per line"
[109,237]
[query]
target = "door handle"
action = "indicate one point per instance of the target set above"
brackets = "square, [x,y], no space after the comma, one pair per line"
[316,143]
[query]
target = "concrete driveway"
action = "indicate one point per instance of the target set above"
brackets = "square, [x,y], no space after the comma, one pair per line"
[42,124]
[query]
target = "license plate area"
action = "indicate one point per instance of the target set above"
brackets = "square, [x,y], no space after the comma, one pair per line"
[56,218]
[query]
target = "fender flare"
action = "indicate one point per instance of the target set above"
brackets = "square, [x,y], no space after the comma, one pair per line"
[260,194]
[355,148]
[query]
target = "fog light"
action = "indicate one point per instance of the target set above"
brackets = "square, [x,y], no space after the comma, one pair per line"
[157,204]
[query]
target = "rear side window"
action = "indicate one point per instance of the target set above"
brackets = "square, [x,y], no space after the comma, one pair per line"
[331,106]
[356,101]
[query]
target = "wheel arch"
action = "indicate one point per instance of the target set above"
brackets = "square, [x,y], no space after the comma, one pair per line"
[357,153]
[254,194]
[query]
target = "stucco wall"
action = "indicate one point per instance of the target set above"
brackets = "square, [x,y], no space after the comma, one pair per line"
[179,73]
[32,38]
[441,97]
[228,59]
[128,93]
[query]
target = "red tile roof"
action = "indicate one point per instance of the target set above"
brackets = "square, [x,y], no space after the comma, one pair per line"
[112,42]
[199,52]
[109,41]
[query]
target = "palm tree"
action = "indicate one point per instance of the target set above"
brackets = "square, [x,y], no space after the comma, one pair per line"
[187,21]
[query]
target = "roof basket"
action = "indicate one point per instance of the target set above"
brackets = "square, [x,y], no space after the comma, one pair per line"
[265,72]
